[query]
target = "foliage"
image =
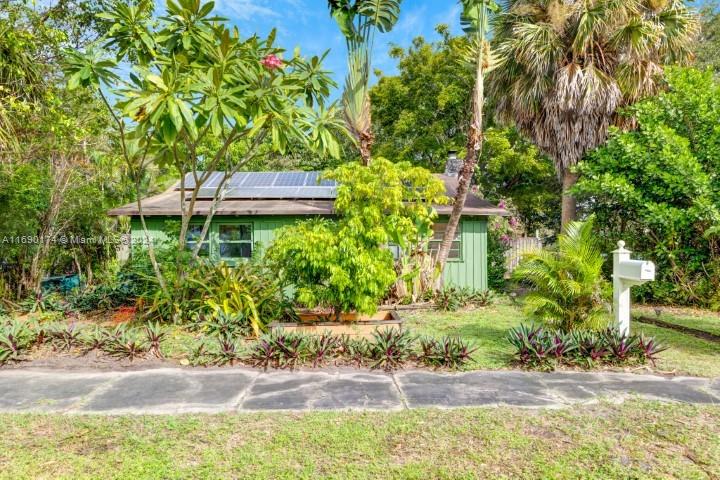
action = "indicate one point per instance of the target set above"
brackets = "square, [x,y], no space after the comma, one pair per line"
[544,348]
[16,337]
[451,298]
[568,288]
[448,352]
[707,48]
[359,20]
[423,111]
[512,168]
[63,336]
[566,67]
[127,342]
[345,264]
[279,349]
[390,348]
[657,189]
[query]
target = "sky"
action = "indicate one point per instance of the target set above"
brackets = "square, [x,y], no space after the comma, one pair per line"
[307,24]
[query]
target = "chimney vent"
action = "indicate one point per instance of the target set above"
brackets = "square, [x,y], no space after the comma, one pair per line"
[453,164]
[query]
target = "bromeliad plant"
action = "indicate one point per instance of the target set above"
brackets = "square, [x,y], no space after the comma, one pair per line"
[16,338]
[447,352]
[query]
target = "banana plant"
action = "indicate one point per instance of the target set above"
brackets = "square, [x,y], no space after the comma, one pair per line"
[359,21]
[475,20]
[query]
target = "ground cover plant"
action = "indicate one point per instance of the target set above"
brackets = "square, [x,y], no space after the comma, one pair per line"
[546,348]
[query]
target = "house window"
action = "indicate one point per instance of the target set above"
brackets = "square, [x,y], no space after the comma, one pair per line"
[235,240]
[193,235]
[455,252]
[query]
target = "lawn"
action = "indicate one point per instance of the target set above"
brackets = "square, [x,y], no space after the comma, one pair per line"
[638,439]
[486,328]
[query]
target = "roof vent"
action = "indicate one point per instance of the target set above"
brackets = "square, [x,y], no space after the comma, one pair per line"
[453,164]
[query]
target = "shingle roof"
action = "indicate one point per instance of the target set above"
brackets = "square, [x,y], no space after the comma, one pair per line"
[280,199]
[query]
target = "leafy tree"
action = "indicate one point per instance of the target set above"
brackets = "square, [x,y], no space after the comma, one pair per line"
[345,264]
[512,168]
[359,21]
[475,19]
[568,288]
[657,188]
[707,48]
[568,66]
[196,90]
[424,111]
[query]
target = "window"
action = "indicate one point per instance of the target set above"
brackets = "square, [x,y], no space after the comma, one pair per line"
[192,236]
[455,252]
[235,240]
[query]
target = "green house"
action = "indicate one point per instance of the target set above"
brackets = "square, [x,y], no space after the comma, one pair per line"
[254,205]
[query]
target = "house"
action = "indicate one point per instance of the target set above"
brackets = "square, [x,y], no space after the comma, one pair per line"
[256,204]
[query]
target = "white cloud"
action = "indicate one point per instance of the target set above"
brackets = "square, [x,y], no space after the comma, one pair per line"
[246,9]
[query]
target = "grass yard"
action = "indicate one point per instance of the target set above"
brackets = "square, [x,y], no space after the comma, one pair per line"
[486,327]
[635,440]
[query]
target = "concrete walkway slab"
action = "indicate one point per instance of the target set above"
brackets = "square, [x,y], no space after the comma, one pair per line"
[177,390]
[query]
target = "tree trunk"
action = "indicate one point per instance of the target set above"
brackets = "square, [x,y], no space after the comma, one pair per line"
[365,141]
[569,205]
[474,146]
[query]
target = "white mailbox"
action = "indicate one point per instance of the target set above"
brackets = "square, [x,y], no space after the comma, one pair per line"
[627,273]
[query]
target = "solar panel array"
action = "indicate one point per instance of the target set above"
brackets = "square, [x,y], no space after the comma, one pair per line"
[266,185]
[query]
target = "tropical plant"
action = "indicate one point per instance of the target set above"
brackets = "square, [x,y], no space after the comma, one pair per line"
[447,352]
[16,337]
[359,20]
[567,66]
[64,335]
[196,90]
[568,290]
[475,21]
[345,264]
[322,347]
[390,348]
[155,334]
[126,342]
[657,189]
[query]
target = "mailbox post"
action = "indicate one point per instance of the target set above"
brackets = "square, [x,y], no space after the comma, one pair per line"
[627,273]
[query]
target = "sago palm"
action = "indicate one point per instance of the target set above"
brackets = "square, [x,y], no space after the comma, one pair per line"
[568,65]
[359,20]
[568,288]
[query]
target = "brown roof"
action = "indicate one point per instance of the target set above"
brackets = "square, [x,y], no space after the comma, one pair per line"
[168,204]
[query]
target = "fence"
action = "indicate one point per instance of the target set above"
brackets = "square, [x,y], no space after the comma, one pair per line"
[518,246]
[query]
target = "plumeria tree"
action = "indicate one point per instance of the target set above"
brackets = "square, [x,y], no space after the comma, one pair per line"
[475,21]
[196,89]
[359,21]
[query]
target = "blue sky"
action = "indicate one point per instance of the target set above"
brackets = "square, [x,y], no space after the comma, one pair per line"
[307,23]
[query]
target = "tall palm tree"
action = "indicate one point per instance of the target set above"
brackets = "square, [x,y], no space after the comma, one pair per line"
[475,21]
[568,65]
[359,20]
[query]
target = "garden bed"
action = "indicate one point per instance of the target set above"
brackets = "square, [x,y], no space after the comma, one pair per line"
[351,324]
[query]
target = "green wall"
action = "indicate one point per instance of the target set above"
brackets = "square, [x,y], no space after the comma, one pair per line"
[470,271]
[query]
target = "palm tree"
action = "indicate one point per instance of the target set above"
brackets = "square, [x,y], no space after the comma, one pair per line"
[568,288]
[359,20]
[475,22]
[568,65]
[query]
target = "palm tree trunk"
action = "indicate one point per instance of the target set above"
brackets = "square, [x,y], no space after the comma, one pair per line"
[474,146]
[569,204]
[365,142]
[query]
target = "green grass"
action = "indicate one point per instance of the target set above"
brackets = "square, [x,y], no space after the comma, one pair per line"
[704,320]
[638,439]
[486,328]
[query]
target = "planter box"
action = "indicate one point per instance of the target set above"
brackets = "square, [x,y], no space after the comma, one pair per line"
[351,324]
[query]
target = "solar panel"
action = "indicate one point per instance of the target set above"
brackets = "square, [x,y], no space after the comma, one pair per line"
[276,185]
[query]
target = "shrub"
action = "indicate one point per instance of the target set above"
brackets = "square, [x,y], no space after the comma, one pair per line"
[126,342]
[63,335]
[452,298]
[345,265]
[568,288]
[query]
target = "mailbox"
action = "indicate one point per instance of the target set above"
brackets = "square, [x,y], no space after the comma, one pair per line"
[636,272]
[627,273]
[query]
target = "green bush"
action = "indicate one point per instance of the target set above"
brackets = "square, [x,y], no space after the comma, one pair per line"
[568,290]
[345,265]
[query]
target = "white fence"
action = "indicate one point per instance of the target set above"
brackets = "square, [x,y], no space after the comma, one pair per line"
[518,246]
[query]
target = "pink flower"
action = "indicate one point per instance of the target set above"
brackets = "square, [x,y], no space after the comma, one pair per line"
[513,222]
[271,62]
[502,204]
[505,239]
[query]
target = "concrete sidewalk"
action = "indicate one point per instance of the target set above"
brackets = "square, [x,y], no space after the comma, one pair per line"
[176,390]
